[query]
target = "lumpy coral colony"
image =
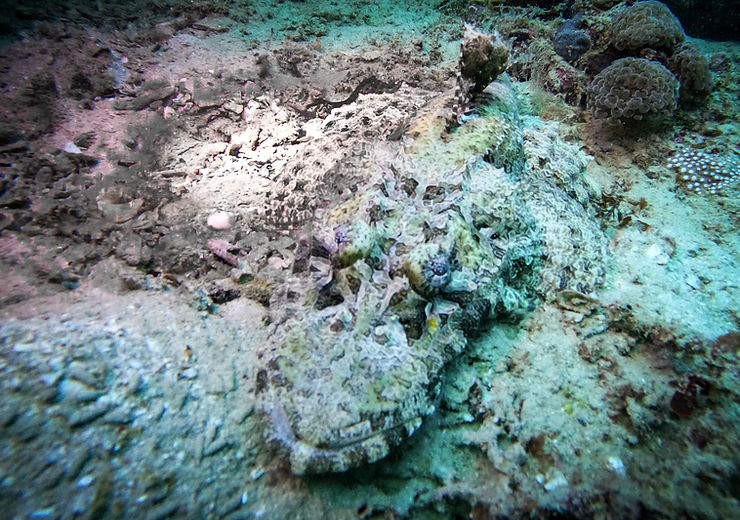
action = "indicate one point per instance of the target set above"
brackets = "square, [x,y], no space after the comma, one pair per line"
[458,230]
[634,87]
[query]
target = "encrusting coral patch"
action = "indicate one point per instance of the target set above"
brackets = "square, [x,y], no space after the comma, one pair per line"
[702,172]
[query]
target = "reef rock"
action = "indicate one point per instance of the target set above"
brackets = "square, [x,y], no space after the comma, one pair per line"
[570,42]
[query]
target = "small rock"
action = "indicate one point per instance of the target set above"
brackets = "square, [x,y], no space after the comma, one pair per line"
[50,477]
[189,373]
[246,140]
[216,446]
[71,147]
[571,43]
[234,107]
[118,416]
[616,465]
[43,513]
[85,140]
[655,252]
[693,281]
[92,374]
[237,499]
[157,410]
[556,480]
[214,148]
[119,212]
[51,379]
[77,392]
[77,461]
[89,413]
[143,101]
[85,481]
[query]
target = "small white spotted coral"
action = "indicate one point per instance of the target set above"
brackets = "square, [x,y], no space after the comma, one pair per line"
[703,172]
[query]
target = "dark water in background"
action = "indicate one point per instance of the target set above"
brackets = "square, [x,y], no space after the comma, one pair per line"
[707,19]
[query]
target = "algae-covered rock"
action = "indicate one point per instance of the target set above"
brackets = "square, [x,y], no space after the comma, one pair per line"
[571,42]
[691,67]
[483,58]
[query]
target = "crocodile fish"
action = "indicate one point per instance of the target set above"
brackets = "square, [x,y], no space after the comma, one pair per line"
[455,229]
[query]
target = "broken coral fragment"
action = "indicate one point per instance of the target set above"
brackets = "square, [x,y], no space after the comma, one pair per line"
[225,250]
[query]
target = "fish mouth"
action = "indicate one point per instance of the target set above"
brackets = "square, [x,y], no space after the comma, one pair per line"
[359,444]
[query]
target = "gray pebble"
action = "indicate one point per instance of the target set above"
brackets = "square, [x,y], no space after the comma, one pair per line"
[77,461]
[50,477]
[231,504]
[136,384]
[75,391]
[43,513]
[216,446]
[188,373]
[52,378]
[80,504]
[28,425]
[118,416]
[92,374]
[157,410]
[163,510]
[89,413]
[10,409]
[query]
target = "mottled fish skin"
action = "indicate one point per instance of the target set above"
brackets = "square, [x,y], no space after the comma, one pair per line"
[446,241]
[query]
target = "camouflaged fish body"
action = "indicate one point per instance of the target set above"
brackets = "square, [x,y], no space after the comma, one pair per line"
[446,239]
